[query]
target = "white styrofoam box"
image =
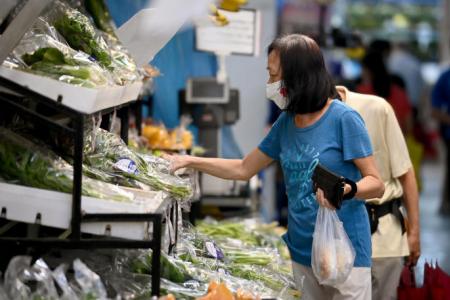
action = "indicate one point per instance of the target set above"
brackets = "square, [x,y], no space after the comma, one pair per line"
[24,203]
[82,99]
[131,91]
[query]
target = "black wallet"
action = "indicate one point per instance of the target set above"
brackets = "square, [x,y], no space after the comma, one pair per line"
[330,183]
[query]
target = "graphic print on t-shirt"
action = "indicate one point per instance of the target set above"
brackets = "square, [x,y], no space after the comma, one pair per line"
[299,163]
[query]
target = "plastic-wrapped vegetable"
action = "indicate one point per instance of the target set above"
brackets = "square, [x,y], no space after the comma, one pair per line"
[40,51]
[107,152]
[19,276]
[60,278]
[100,14]
[78,31]
[170,268]
[124,67]
[104,46]
[227,229]
[35,166]
[113,178]
[90,282]
[37,282]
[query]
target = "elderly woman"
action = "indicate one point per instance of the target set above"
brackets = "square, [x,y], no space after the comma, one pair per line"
[313,128]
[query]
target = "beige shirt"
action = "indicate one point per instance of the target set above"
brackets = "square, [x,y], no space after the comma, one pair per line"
[392,159]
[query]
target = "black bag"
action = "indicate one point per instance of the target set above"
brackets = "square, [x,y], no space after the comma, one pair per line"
[377,211]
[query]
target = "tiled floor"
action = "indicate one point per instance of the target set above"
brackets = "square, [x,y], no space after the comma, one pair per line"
[435,228]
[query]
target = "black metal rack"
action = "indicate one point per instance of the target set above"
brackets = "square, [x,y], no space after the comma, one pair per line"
[15,99]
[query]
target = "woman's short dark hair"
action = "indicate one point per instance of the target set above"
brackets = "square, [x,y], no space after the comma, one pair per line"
[304,75]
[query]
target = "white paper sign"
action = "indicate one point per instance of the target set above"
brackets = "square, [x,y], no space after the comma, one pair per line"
[240,36]
[143,35]
[150,29]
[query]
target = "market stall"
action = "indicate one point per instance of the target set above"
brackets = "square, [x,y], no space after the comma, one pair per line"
[75,175]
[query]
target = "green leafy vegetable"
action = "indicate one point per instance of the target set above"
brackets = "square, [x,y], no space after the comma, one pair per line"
[110,154]
[80,34]
[251,258]
[52,62]
[49,68]
[169,268]
[38,167]
[46,54]
[228,230]
[100,14]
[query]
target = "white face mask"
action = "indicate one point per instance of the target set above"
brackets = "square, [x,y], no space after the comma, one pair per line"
[273,92]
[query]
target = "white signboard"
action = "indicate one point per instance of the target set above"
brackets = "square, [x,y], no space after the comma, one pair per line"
[240,36]
[145,34]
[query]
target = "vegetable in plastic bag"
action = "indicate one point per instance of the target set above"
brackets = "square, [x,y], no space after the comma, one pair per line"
[90,283]
[100,14]
[227,229]
[170,269]
[124,67]
[333,254]
[107,152]
[39,167]
[60,278]
[42,52]
[23,281]
[78,31]
[104,46]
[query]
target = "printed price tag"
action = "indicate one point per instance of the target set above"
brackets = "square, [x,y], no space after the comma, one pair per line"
[213,250]
[126,165]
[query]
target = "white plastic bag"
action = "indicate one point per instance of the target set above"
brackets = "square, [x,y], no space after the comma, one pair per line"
[333,254]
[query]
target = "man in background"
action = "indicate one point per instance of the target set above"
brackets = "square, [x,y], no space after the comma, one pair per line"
[391,240]
[440,101]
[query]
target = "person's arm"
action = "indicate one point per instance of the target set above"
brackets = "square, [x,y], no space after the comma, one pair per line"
[370,186]
[411,202]
[233,169]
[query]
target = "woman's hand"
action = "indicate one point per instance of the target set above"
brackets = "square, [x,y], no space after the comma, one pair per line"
[320,196]
[177,161]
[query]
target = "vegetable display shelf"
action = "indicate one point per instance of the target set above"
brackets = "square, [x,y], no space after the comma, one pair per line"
[82,99]
[33,107]
[53,209]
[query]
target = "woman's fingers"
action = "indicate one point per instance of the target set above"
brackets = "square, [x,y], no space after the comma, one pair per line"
[173,160]
[322,200]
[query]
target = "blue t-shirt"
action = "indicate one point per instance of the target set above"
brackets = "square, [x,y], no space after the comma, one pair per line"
[440,99]
[337,138]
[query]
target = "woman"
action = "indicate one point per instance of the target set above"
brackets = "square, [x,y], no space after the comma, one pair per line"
[313,128]
[376,80]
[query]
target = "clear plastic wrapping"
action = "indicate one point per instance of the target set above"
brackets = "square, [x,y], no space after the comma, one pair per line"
[333,254]
[24,281]
[43,52]
[36,166]
[79,32]
[59,275]
[122,65]
[64,44]
[90,282]
[107,152]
